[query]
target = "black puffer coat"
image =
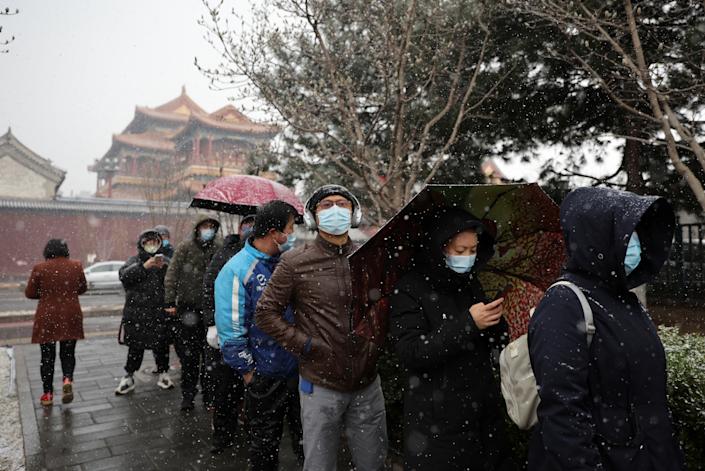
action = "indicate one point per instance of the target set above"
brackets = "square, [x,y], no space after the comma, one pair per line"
[452,404]
[603,407]
[231,245]
[143,315]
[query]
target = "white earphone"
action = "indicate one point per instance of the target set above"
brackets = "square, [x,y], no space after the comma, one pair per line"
[310,217]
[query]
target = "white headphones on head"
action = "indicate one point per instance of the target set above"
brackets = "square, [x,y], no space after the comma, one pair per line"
[328,190]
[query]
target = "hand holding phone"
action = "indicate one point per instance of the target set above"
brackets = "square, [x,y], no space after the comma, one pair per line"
[487,315]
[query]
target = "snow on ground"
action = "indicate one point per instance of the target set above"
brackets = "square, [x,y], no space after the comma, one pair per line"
[11,445]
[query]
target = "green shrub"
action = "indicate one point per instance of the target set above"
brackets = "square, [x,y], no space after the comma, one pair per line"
[685,354]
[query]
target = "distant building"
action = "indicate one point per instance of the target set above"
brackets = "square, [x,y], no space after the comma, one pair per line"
[25,174]
[170,152]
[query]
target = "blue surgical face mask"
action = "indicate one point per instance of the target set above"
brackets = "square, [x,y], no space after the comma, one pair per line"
[633,256]
[165,243]
[334,221]
[207,234]
[460,263]
[290,239]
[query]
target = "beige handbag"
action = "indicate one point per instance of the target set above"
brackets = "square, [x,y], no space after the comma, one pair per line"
[517,378]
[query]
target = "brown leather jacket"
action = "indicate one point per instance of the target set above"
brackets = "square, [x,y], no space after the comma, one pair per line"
[315,280]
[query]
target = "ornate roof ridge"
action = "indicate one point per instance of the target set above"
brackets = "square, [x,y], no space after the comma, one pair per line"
[182,101]
[36,162]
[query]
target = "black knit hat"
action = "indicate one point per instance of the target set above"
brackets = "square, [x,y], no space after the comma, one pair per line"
[162,230]
[330,190]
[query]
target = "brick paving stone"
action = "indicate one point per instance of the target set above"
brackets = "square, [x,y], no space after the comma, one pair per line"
[99,430]
[131,461]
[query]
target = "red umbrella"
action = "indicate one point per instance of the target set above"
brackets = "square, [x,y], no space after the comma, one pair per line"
[243,194]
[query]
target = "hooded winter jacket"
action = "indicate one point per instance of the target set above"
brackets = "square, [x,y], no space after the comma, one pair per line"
[452,405]
[143,315]
[603,406]
[231,245]
[184,279]
[315,279]
[238,287]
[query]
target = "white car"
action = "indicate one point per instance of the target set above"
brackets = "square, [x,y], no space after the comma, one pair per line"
[104,275]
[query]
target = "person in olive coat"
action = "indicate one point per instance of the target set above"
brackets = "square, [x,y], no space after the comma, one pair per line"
[445,333]
[604,406]
[143,317]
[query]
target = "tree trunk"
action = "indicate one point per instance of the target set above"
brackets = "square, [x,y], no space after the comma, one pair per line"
[631,159]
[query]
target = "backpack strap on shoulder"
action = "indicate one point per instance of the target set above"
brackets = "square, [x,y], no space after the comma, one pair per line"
[587,311]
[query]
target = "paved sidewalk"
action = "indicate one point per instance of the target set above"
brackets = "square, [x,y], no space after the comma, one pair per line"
[99,430]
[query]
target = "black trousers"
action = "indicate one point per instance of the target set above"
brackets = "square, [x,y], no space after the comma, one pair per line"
[67,355]
[269,402]
[136,355]
[227,394]
[190,342]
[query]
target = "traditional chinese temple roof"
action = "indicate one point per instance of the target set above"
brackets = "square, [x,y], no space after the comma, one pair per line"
[160,128]
[11,146]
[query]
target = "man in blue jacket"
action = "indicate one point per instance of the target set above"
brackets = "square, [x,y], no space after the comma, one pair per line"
[269,372]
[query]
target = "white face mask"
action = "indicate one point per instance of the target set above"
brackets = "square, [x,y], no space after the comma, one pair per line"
[151,248]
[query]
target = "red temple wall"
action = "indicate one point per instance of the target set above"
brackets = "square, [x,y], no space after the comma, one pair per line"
[24,233]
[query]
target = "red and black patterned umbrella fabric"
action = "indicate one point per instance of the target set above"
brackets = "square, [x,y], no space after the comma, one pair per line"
[243,194]
[529,250]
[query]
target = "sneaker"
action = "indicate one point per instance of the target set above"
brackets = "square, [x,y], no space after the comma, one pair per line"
[67,391]
[165,381]
[127,384]
[47,399]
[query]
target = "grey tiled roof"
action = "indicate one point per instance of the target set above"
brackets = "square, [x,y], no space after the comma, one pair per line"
[94,205]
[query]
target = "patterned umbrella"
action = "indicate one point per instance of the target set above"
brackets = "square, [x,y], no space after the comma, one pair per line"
[529,250]
[243,194]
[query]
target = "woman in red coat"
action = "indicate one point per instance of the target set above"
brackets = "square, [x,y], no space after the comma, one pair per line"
[56,283]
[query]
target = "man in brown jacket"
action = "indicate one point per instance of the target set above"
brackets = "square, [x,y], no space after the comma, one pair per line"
[339,385]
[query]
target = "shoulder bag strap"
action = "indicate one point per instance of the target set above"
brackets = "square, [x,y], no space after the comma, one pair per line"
[587,312]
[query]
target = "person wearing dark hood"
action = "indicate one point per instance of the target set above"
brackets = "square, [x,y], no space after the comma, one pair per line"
[603,405]
[339,385]
[168,251]
[143,318]
[446,334]
[167,248]
[227,386]
[184,299]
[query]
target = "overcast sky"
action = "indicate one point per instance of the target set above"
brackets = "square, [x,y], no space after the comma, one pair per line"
[77,69]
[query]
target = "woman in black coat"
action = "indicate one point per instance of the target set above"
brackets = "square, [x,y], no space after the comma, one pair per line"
[143,318]
[445,334]
[604,406]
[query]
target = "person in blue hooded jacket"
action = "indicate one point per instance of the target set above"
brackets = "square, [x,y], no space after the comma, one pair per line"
[269,372]
[603,406]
